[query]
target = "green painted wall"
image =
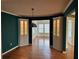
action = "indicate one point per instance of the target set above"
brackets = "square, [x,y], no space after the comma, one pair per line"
[9,31]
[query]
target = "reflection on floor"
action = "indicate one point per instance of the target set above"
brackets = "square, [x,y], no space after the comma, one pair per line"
[70,51]
[39,50]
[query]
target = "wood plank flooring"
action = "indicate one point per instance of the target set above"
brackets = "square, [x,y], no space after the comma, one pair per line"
[39,50]
[70,51]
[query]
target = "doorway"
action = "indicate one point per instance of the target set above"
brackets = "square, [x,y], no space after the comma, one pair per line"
[41,32]
[70,34]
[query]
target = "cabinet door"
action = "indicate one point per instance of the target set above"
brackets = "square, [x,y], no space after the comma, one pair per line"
[57,34]
[23,32]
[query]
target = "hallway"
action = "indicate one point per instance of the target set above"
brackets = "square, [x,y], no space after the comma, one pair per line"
[39,50]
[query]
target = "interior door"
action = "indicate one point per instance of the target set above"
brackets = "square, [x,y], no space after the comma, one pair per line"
[24,37]
[70,30]
[57,33]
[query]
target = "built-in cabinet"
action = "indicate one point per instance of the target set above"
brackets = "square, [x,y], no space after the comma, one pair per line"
[24,34]
[57,33]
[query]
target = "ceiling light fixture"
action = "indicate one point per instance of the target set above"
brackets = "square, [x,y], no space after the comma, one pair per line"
[32,11]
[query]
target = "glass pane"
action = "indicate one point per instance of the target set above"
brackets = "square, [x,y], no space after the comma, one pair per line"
[58,27]
[34,30]
[70,29]
[21,27]
[40,26]
[46,28]
[26,27]
[54,27]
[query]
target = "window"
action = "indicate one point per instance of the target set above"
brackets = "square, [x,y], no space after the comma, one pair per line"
[40,27]
[34,30]
[46,28]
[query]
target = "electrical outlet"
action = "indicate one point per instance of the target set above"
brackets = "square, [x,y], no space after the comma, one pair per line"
[11,44]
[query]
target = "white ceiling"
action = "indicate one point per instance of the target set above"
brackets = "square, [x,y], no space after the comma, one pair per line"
[41,7]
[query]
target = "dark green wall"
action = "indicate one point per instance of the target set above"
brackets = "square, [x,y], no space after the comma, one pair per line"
[9,29]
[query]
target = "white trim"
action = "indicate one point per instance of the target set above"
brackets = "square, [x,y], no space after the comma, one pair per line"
[9,50]
[9,12]
[23,45]
[64,52]
[68,5]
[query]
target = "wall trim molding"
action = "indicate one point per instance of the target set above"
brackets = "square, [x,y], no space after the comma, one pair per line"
[64,52]
[34,18]
[10,50]
[68,5]
[23,45]
[9,13]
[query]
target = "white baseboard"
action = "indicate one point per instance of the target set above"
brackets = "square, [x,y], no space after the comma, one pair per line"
[64,52]
[23,45]
[10,50]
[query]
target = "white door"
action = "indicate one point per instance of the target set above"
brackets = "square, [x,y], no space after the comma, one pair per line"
[57,34]
[24,35]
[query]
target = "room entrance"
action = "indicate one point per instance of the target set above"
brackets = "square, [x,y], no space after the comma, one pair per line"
[70,34]
[41,32]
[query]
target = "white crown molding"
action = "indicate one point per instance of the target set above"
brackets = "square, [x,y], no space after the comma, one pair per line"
[68,5]
[9,13]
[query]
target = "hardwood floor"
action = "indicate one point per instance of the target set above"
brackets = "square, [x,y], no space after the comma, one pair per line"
[70,51]
[39,50]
